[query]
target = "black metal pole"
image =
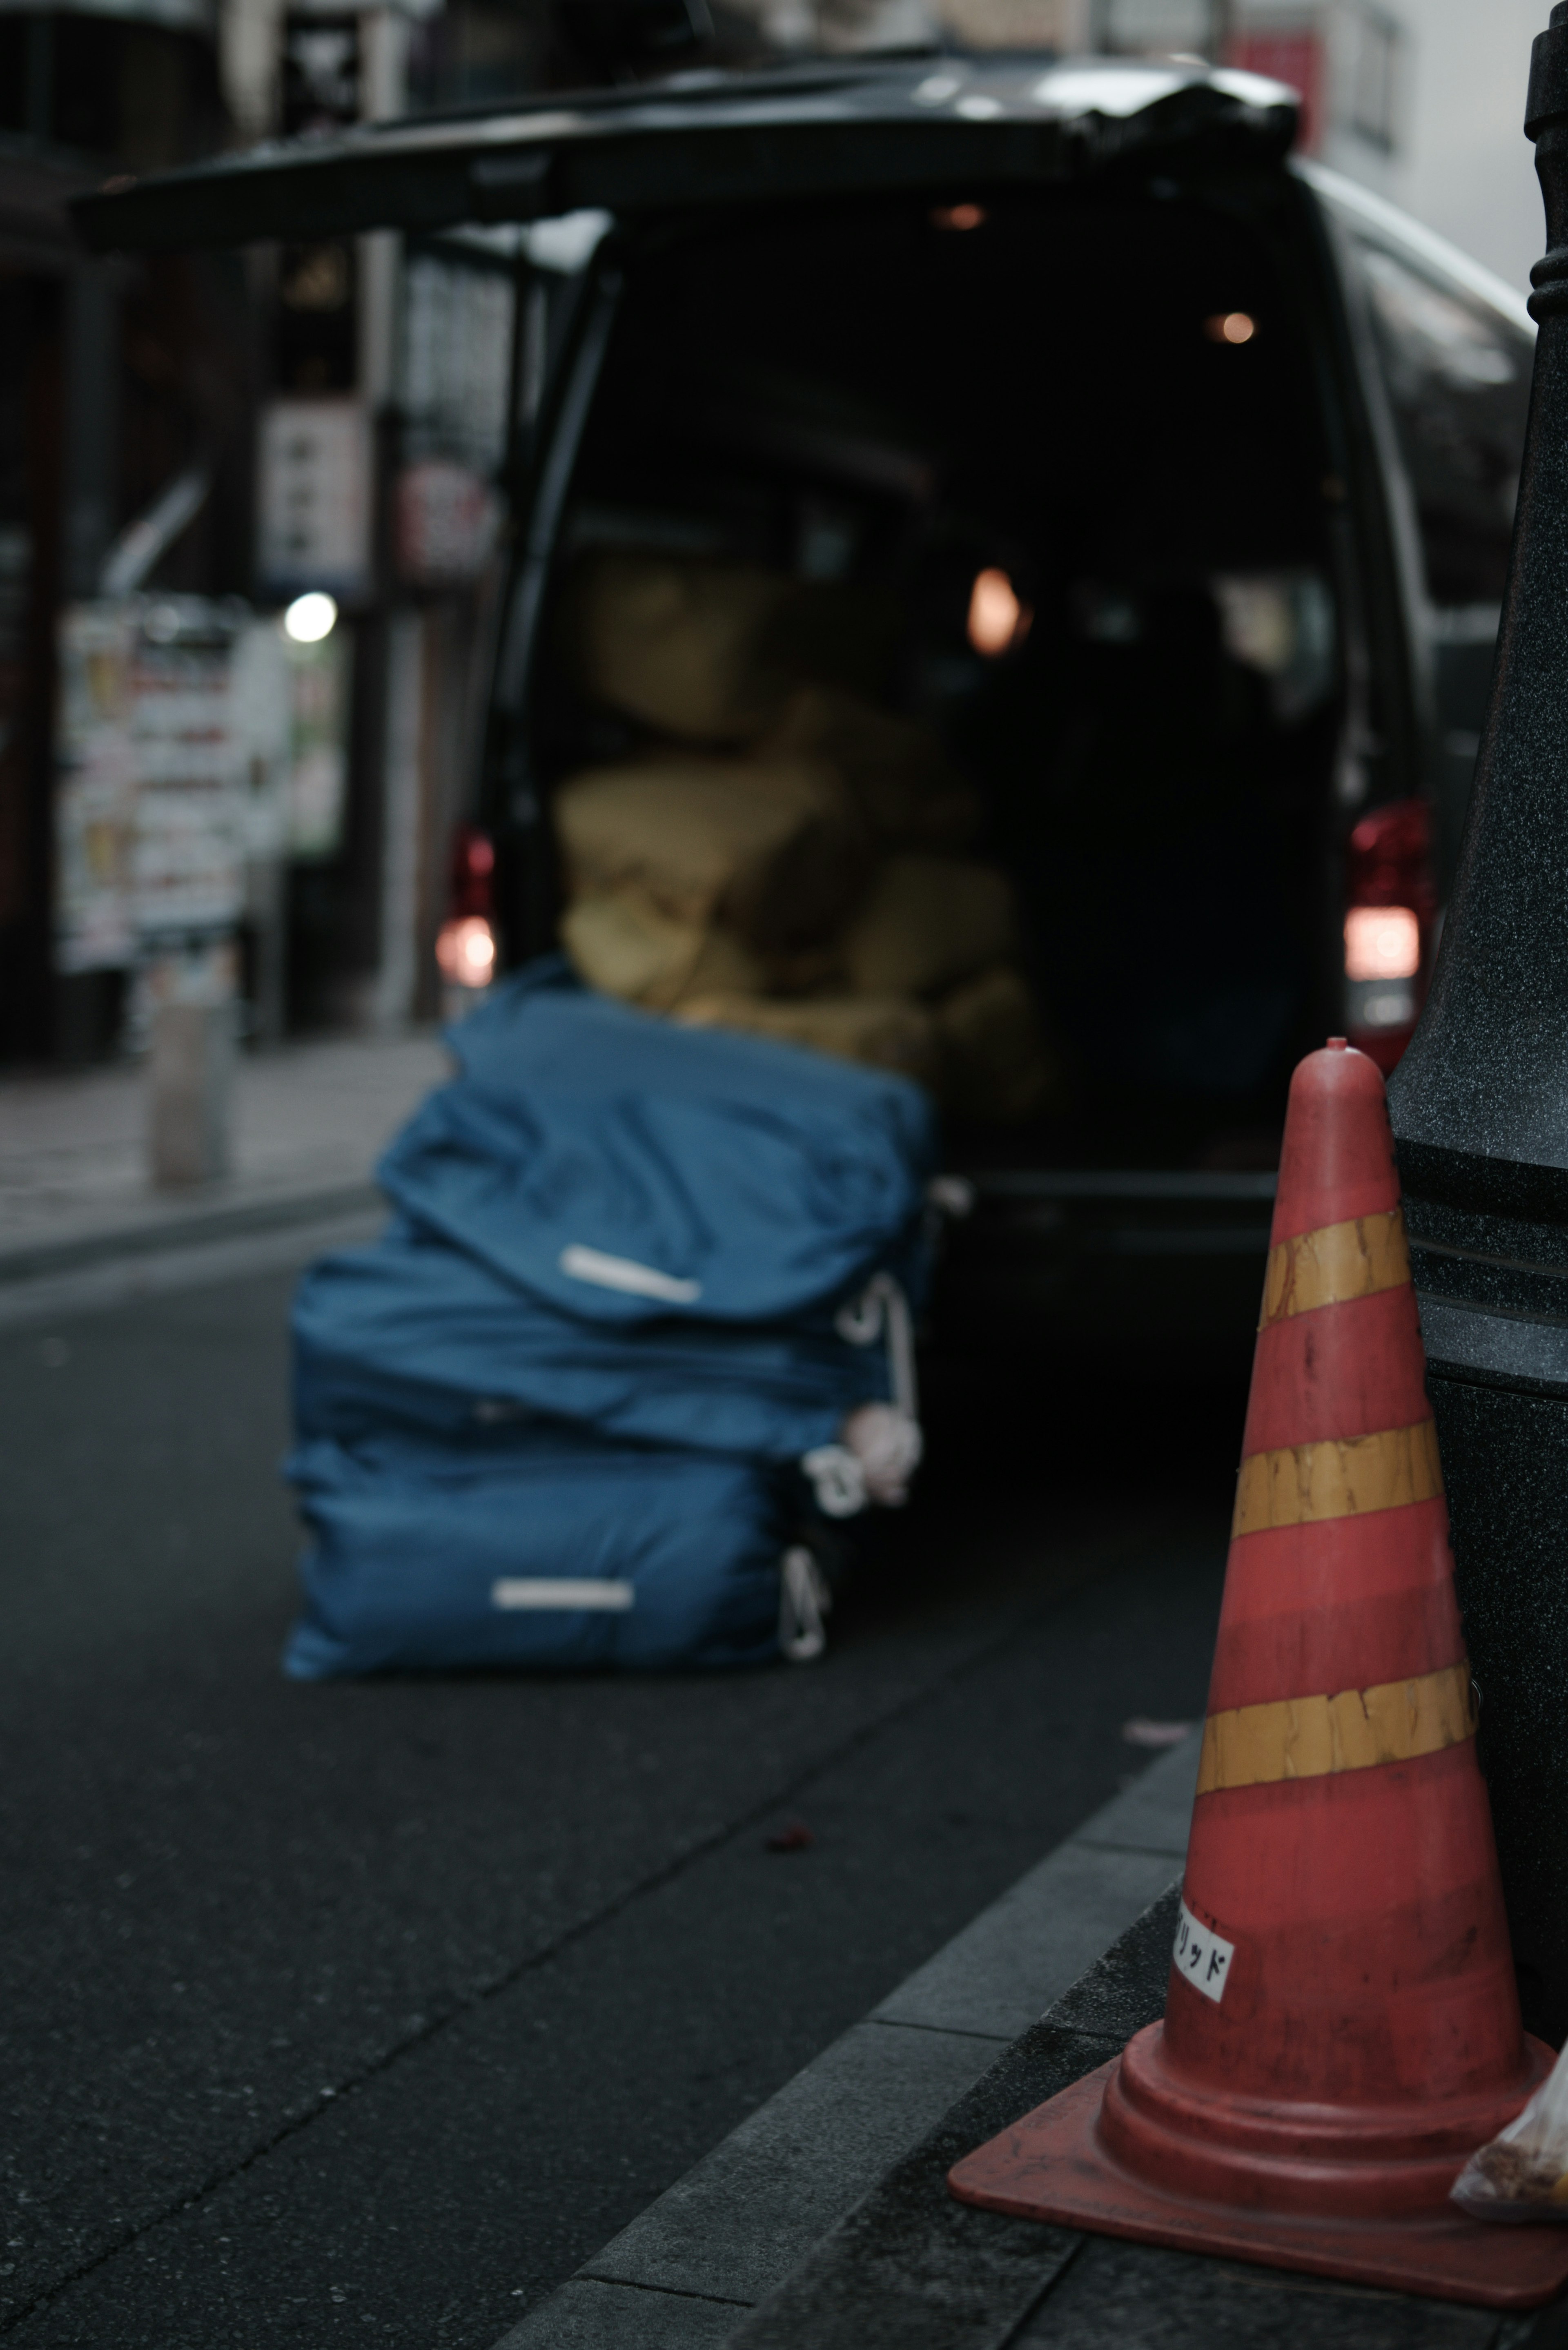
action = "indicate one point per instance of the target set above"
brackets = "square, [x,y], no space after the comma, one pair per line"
[1479,1107]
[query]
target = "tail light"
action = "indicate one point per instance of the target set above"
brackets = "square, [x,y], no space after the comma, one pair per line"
[1390,906]
[465,944]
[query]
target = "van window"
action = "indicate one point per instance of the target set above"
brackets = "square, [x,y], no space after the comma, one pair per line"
[1458,377]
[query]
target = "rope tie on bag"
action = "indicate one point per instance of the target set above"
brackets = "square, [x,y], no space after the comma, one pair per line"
[882,1442]
[804,1600]
[881,1309]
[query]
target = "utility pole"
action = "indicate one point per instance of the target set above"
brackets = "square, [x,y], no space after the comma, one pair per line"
[1479,1107]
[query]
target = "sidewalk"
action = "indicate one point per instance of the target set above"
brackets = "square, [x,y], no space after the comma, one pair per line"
[80,1223]
[911,2268]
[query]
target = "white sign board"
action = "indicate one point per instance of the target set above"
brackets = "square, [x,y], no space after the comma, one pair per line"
[315,485]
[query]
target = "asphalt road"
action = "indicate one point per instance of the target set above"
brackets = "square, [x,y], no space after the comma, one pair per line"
[361,2014]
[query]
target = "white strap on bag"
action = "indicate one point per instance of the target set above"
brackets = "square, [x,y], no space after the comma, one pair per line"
[882,1309]
[803,1600]
[880,1444]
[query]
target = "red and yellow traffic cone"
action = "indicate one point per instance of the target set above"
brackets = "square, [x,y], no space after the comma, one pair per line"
[1342,2028]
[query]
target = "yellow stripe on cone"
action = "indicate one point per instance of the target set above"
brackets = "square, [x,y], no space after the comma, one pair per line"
[1336,1263]
[1309,1737]
[1339,1477]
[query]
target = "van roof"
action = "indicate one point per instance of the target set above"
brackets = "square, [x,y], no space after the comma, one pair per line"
[831,127]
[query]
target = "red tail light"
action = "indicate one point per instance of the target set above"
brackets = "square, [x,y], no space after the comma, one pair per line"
[465,944]
[472,871]
[1390,905]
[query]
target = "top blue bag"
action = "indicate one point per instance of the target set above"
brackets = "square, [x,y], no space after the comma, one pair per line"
[626,1169]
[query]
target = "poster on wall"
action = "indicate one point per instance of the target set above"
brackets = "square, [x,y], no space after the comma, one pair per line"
[446,522]
[188,865]
[316,791]
[95,797]
[150,808]
[261,715]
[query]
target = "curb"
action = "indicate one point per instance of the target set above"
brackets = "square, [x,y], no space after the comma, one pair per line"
[691,2268]
[225,1243]
[190,1230]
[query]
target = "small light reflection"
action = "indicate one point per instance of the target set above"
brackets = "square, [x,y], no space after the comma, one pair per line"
[1233,326]
[465,951]
[958,216]
[310,618]
[997,620]
[1382,943]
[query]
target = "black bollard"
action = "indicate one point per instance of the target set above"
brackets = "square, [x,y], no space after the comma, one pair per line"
[1479,1107]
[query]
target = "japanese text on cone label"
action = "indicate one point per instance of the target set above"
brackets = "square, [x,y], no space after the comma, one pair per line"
[1202,1957]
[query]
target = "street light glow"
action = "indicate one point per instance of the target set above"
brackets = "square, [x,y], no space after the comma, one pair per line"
[310,618]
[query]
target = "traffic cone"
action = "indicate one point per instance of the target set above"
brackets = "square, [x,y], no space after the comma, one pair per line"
[1342,2028]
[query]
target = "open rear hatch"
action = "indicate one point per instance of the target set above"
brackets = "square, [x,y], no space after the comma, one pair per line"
[707,139]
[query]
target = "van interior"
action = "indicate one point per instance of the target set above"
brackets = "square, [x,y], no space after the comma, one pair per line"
[1105,404]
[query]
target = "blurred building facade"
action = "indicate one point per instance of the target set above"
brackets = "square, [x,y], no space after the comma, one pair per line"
[111,379]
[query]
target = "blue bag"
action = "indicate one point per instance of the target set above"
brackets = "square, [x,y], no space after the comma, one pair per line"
[413,1332]
[625,1168]
[514,1550]
[614,1234]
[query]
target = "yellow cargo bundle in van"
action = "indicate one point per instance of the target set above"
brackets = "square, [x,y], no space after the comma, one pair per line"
[771,851]
[996,1067]
[927,922]
[894,768]
[681,645]
[885,1031]
[624,945]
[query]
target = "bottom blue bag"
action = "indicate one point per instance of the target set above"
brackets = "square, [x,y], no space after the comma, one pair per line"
[545,1551]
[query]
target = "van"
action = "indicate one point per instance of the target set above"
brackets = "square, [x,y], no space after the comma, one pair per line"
[1165,478]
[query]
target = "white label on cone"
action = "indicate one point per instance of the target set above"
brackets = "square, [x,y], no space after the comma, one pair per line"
[1202,1957]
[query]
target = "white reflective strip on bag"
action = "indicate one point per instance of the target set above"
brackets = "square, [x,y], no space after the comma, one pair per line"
[803,1600]
[540,1591]
[624,1273]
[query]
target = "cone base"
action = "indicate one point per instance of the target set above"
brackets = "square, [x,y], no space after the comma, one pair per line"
[1054,2166]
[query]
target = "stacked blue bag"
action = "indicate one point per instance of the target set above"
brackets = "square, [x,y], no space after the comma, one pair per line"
[584,1401]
